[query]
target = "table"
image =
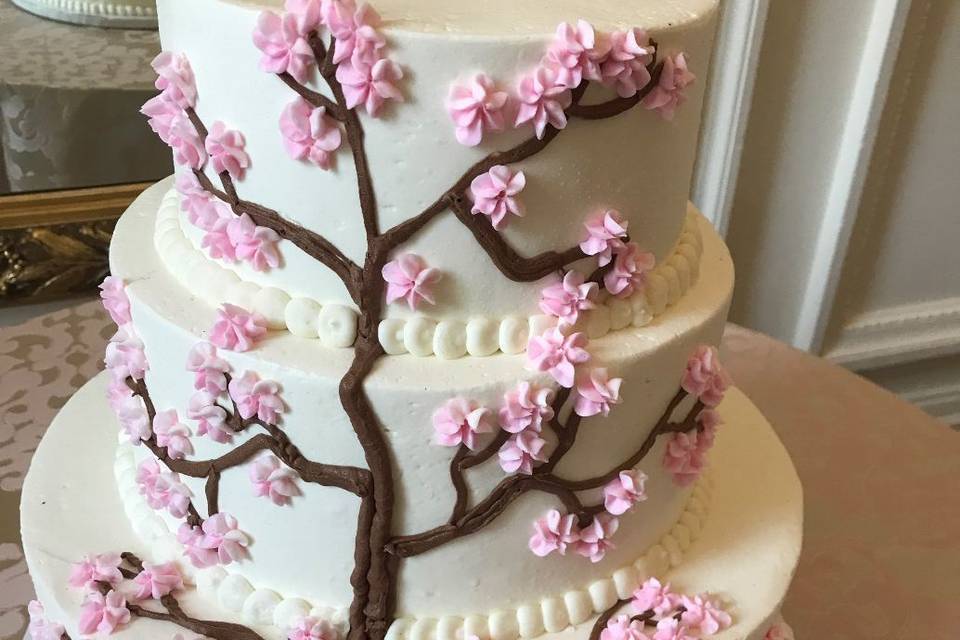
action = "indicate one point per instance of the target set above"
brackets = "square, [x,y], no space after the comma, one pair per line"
[881,556]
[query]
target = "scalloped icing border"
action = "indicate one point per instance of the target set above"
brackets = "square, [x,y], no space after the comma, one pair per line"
[95,9]
[335,325]
[551,614]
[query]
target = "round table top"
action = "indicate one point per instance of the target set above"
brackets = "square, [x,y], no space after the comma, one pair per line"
[881,557]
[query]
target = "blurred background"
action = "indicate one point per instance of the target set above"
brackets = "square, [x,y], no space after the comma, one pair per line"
[830,160]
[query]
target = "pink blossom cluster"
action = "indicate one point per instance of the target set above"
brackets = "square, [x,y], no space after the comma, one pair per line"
[675,616]
[103,613]
[237,329]
[519,453]
[130,411]
[125,357]
[91,570]
[477,107]
[210,417]
[607,240]
[622,493]
[559,354]
[171,434]
[40,628]
[157,580]
[310,628]
[218,541]
[567,298]
[686,453]
[495,194]
[705,378]
[606,233]
[409,278]
[597,393]
[460,422]
[208,368]
[309,133]
[256,397]
[113,295]
[167,112]
[226,149]
[271,479]
[558,533]
[163,489]
[525,409]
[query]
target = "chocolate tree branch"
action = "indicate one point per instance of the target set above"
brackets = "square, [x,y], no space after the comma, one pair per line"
[615,107]
[605,617]
[315,98]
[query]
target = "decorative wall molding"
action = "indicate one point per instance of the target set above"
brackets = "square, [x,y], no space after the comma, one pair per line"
[736,55]
[942,402]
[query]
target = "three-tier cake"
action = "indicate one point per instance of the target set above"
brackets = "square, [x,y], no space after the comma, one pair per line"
[419,342]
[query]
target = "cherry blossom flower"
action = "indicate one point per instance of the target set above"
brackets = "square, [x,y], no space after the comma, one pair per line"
[408,277]
[672,629]
[476,107]
[310,628]
[705,377]
[629,272]
[370,84]
[622,628]
[595,538]
[558,354]
[779,631]
[309,133]
[158,580]
[567,298]
[194,200]
[40,628]
[114,297]
[527,406]
[605,233]
[596,393]
[355,31]
[554,532]
[256,397]
[307,14]
[460,421]
[284,47]
[655,596]
[226,150]
[670,92]
[684,459]
[625,68]
[576,53]
[209,369]
[163,489]
[704,614]
[518,454]
[543,99]
[171,434]
[88,572]
[161,114]
[709,421]
[626,490]
[236,329]
[220,534]
[130,411]
[495,194]
[271,479]
[217,241]
[211,418]
[252,244]
[175,79]
[192,540]
[125,357]
[102,614]
[188,148]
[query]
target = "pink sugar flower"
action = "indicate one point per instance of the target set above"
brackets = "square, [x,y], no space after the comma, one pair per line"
[596,393]
[195,201]
[409,278]
[226,150]
[271,479]
[670,92]
[355,31]
[779,631]
[102,614]
[622,493]
[558,354]
[220,534]
[192,540]
[171,434]
[255,245]
[40,628]
[605,233]
[629,272]
[209,369]
[132,415]
[370,84]
[162,114]
[475,108]
[284,48]
[673,629]
[88,572]
[256,397]
[211,418]
[543,99]
[217,241]
[595,538]
[460,421]
[114,297]
[704,614]
[655,596]
[521,451]
[175,79]
[495,194]
[236,329]
[622,628]
[188,148]
[158,580]
[625,68]
[163,489]
[684,459]
[527,406]
[567,298]
[554,532]
[307,14]
[576,53]
[309,133]
[705,377]
[709,421]
[310,628]
[125,357]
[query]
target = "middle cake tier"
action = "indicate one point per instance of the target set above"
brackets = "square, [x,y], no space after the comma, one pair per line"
[305,549]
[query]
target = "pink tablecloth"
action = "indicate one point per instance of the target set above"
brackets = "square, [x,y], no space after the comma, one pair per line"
[881,556]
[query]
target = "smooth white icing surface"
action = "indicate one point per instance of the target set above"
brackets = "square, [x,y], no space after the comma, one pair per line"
[636,162]
[405,391]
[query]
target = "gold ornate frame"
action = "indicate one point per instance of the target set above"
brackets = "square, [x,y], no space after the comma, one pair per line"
[55,244]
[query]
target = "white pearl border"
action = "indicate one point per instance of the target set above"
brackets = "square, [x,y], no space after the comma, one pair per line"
[94,13]
[551,614]
[335,325]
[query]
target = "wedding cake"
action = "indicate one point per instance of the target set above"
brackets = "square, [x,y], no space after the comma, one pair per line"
[418,343]
[121,14]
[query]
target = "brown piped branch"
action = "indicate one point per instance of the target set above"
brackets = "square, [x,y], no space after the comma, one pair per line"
[601,623]
[615,107]
[313,97]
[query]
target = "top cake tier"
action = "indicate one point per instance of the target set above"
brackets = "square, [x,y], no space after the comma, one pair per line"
[633,159]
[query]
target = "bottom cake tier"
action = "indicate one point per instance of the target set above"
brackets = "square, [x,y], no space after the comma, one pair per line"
[745,554]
